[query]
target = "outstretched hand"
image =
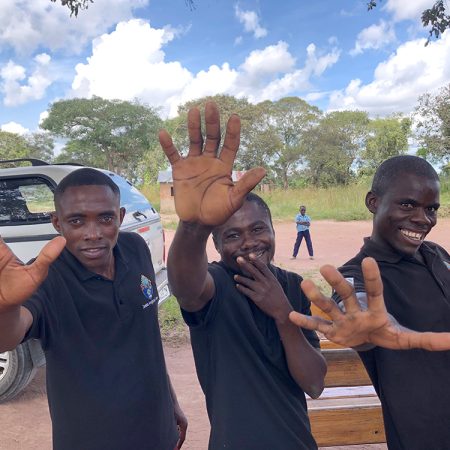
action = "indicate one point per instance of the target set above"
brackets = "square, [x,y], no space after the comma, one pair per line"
[358,325]
[203,189]
[18,281]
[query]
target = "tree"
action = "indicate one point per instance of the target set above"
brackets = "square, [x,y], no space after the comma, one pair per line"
[332,147]
[35,145]
[112,134]
[75,5]
[387,137]
[435,17]
[432,117]
[13,146]
[283,125]
[40,145]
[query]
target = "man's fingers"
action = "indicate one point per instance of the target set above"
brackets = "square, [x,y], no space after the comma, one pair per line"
[343,288]
[167,145]
[244,185]
[231,141]
[324,303]
[46,256]
[212,121]
[373,286]
[195,132]
[310,322]
[426,341]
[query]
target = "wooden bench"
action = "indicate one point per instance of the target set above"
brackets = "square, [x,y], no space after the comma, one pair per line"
[348,412]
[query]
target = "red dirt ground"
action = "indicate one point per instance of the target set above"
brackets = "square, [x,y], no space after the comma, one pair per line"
[25,422]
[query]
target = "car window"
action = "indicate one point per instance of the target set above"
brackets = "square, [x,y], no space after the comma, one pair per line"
[137,206]
[25,200]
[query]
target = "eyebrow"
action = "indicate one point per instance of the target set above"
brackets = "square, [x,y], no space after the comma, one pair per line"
[79,214]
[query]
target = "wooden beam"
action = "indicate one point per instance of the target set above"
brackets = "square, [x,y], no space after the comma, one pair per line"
[346,421]
[345,368]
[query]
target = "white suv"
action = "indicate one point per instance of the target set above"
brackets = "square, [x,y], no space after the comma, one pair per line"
[26,200]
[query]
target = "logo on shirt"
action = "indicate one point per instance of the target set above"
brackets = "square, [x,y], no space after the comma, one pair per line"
[149,291]
[447,265]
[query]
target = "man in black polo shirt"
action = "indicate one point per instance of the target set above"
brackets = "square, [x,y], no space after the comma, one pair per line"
[412,383]
[93,305]
[252,363]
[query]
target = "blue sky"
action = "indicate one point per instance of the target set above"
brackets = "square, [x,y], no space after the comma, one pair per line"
[334,54]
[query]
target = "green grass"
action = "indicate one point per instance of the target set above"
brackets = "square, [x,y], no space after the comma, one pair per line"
[151,191]
[342,203]
[173,329]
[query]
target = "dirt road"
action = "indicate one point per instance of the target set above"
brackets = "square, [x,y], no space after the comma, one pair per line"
[25,422]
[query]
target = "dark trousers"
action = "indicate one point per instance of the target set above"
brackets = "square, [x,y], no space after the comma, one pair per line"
[300,235]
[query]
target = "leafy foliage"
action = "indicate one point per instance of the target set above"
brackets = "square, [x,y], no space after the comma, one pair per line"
[113,134]
[435,17]
[386,138]
[75,5]
[433,125]
[332,147]
[35,145]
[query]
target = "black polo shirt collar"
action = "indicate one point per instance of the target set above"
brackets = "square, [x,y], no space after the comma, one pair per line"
[374,250]
[84,274]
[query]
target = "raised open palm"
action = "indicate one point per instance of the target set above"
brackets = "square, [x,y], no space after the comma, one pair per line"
[203,189]
[359,325]
[19,281]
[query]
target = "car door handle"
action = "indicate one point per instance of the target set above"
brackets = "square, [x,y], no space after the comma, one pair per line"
[138,214]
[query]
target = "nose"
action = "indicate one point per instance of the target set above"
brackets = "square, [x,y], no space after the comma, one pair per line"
[92,231]
[248,242]
[421,217]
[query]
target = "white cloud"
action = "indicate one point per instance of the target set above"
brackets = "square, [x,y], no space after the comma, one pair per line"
[28,25]
[409,72]
[130,63]
[19,89]
[14,127]
[374,37]
[250,19]
[407,9]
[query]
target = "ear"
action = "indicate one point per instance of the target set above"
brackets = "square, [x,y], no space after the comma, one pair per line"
[121,214]
[55,222]
[372,202]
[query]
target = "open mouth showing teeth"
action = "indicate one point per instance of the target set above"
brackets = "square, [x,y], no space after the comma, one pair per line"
[413,235]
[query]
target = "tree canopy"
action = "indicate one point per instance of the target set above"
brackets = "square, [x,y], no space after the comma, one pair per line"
[433,125]
[434,17]
[75,5]
[113,134]
[35,145]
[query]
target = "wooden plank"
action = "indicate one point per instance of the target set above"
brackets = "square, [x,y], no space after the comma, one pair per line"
[326,344]
[347,421]
[344,368]
[348,391]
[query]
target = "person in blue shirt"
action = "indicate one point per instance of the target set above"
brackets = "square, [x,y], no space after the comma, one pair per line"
[303,222]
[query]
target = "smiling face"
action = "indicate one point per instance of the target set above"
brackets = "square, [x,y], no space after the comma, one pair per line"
[405,213]
[249,230]
[89,218]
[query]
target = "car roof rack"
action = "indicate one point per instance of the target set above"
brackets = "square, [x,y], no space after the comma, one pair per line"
[33,161]
[38,162]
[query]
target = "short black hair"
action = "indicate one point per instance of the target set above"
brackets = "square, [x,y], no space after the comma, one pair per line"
[250,197]
[393,167]
[85,177]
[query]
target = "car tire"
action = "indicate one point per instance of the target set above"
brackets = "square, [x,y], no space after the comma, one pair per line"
[16,371]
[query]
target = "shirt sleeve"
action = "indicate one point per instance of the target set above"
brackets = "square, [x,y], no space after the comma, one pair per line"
[37,306]
[208,312]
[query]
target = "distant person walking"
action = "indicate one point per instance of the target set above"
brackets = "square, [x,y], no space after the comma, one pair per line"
[303,222]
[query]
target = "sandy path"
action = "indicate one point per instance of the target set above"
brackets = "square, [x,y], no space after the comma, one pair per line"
[25,422]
